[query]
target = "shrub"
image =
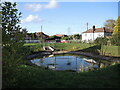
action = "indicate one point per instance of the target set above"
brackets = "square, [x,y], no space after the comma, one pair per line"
[101,41]
[115,40]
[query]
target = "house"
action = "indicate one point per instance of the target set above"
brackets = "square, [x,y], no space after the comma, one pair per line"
[53,39]
[60,35]
[91,34]
[41,35]
[35,37]
[28,36]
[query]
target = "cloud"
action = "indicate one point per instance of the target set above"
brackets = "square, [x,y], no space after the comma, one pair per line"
[33,7]
[32,18]
[51,4]
[38,7]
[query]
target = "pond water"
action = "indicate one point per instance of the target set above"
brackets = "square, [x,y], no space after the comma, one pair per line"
[70,62]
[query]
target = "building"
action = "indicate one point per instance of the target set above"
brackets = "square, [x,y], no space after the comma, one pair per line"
[35,37]
[28,36]
[60,35]
[41,35]
[91,34]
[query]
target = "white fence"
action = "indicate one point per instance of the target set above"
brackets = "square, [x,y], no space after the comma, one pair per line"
[32,41]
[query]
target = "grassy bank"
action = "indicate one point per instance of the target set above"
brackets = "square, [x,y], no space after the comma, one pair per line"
[36,77]
[111,50]
[26,76]
[92,48]
[60,46]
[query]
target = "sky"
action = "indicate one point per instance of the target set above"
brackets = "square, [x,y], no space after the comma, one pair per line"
[65,17]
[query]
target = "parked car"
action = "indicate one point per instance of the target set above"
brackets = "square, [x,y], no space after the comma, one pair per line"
[64,41]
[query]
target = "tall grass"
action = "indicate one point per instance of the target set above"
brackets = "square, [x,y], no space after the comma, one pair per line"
[36,77]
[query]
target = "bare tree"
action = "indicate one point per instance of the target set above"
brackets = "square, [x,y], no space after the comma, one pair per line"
[110,23]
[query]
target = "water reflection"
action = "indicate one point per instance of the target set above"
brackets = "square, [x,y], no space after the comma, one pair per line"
[70,62]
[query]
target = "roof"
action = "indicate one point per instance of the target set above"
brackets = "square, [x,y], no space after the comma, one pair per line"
[40,33]
[59,35]
[99,30]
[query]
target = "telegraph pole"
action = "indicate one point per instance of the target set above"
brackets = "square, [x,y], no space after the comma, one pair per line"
[87,25]
[41,28]
[41,33]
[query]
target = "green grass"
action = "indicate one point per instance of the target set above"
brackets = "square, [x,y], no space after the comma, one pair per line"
[111,50]
[92,48]
[36,77]
[31,44]
[61,46]
[26,76]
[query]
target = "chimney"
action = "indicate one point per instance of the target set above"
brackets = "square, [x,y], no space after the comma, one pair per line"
[104,29]
[93,28]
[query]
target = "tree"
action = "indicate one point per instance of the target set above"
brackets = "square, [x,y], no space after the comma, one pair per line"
[76,36]
[65,38]
[12,35]
[115,40]
[101,41]
[109,24]
[117,26]
[54,37]
[33,36]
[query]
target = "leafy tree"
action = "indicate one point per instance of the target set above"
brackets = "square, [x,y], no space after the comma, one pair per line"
[109,24]
[24,31]
[65,38]
[76,36]
[117,26]
[33,36]
[54,37]
[115,40]
[101,41]
[12,35]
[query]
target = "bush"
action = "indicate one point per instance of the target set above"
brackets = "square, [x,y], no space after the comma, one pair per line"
[65,38]
[115,40]
[101,41]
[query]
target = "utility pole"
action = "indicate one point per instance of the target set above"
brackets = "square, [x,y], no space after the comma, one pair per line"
[42,37]
[41,28]
[41,33]
[87,25]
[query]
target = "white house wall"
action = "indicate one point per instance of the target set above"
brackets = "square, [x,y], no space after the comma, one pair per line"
[91,36]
